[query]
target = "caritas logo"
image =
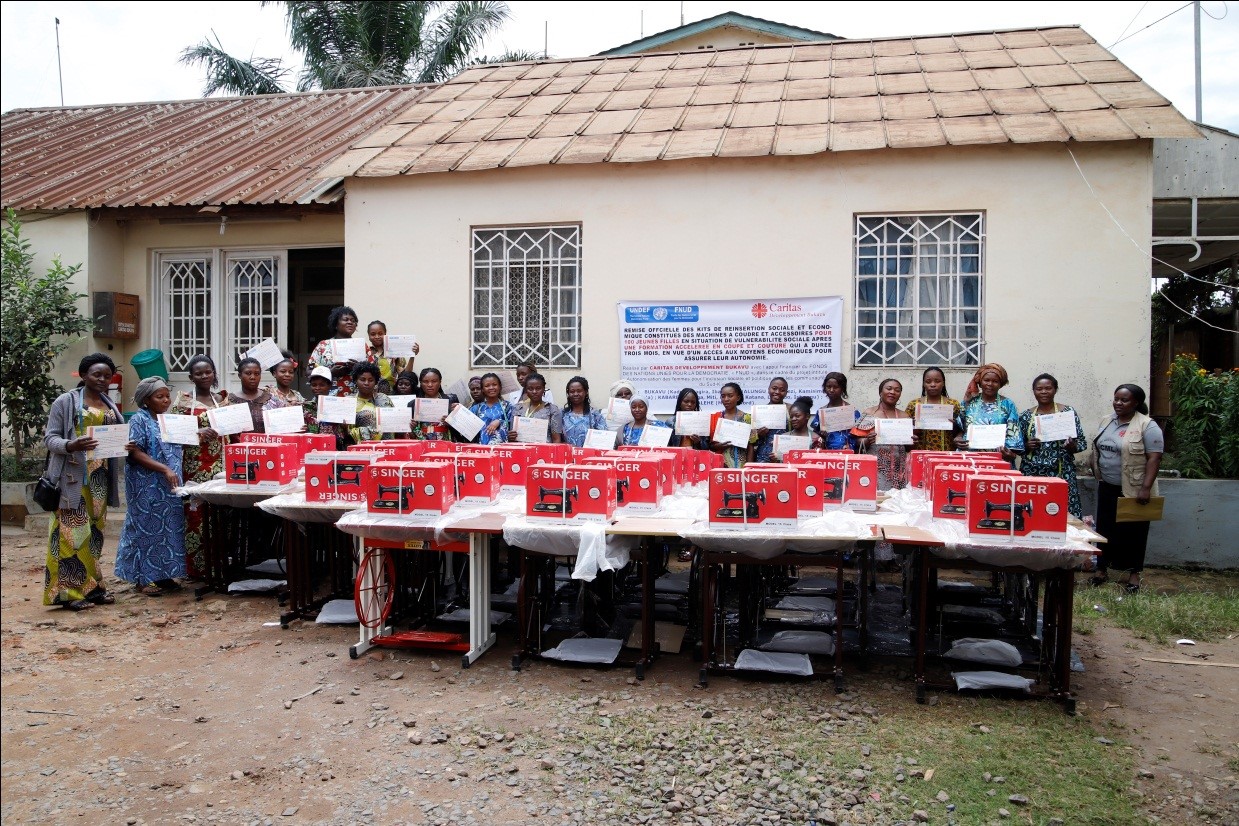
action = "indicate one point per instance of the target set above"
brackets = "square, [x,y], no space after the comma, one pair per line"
[760,310]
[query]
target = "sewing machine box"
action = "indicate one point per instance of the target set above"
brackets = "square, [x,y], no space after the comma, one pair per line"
[847,481]
[988,462]
[580,454]
[477,475]
[671,463]
[337,475]
[918,462]
[424,489]
[304,442]
[257,466]
[762,497]
[949,487]
[571,493]
[1032,509]
[548,453]
[396,450]
[638,481]
[699,463]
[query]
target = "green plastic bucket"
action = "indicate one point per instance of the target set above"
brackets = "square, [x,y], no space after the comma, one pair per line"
[129,416]
[150,363]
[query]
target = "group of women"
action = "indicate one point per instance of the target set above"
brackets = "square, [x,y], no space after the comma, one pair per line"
[162,538]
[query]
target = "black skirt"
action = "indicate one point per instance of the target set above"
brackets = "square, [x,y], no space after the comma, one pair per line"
[1125,541]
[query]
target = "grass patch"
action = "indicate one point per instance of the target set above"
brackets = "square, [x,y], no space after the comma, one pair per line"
[1205,611]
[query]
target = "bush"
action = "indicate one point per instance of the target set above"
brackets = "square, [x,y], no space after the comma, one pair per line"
[26,469]
[1205,416]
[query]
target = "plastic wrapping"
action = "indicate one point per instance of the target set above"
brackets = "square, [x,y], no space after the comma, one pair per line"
[269,567]
[462,615]
[974,613]
[823,534]
[219,492]
[797,665]
[990,679]
[1073,554]
[797,602]
[676,583]
[585,650]
[991,652]
[255,586]
[338,612]
[587,541]
[294,507]
[802,642]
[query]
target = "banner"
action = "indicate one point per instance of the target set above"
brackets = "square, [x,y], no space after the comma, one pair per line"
[703,345]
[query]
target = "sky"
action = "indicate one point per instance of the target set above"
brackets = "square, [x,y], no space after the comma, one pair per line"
[122,52]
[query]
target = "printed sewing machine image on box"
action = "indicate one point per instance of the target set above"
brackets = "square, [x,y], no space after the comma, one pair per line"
[762,497]
[337,475]
[1032,509]
[260,466]
[919,462]
[638,481]
[847,481]
[948,487]
[424,489]
[571,493]
[671,463]
[476,474]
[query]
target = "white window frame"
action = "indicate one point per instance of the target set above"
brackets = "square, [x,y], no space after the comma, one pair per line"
[935,324]
[496,325]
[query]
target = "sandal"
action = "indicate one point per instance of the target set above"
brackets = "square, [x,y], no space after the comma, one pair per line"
[151,590]
[101,597]
[1132,587]
[168,584]
[78,605]
[1098,581]
[686,555]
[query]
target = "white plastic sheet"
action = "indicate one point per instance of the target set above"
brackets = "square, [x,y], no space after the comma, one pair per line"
[1071,555]
[338,612]
[294,507]
[587,541]
[462,615]
[991,652]
[990,679]
[586,650]
[802,642]
[269,567]
[797,602]
[255,586]
[797,665]
[219,492]
[675,583]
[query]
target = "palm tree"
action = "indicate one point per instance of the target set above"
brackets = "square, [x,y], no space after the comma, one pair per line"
[347,45]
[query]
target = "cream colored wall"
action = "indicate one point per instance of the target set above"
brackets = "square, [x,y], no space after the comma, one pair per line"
[724,37]
[1065,291]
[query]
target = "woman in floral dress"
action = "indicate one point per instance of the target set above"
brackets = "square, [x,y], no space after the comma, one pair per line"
[202,461]
[258,398]
[983,405]
[1052,458]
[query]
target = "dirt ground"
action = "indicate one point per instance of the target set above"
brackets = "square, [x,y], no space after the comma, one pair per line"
[174,711]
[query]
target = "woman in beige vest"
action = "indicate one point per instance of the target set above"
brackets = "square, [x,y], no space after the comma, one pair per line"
[1127,453]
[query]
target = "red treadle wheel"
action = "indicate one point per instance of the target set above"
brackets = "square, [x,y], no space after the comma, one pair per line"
[373,600]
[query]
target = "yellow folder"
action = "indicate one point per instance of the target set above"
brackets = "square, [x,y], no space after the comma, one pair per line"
[1130,510]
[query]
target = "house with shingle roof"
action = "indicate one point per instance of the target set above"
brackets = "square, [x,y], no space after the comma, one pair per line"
[972,197]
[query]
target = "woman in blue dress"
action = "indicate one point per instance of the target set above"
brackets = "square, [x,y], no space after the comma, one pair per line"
[577,417]
[835,386]
[983,405]
[494,411]
[151,554]
[631,432]
[764,449]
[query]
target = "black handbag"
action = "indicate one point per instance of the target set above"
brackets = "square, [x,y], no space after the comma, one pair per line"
[46,494]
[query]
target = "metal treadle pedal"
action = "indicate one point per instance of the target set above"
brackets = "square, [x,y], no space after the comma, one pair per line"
[438,640]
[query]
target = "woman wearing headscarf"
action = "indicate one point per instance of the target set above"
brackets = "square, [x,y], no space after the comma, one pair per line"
[622,389]
[202,461]
[984,405]
[87,487]
[151,553]
[630,434]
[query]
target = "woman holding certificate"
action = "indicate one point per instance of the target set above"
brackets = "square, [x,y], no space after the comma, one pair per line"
[577,417]
[87,487]
[630,434]
[340,352]
[989,421]
[889,444]
[533,406]
[365,428]
[687,402]
[731,429]
[769,420]
[494,411]
[934,413]
[389,368]
[430,386]
[202,461]
[1052,437]
[835,421]
[249,370]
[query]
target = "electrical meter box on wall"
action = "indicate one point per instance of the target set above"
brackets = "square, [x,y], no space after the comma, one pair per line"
[116,315]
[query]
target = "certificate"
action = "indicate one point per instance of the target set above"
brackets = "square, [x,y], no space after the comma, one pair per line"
[112,439]
[338,409]
[692,423]
[732,433]
[987,436]
[348,349]
[394,419]
[1056,427]
[399,347]
[934,416]
[784,442]
[770,416]
[401,401]
[600,439]
[431,410]
[178,429]
[654,436]
[619,411]
[832,419]
[893,431]
[531,430]
[267,352]
[284,420]
[464,422]
[231,419]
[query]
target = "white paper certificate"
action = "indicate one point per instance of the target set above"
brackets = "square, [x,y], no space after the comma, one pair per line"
[654,436]
[732,433]
[600,439]
[178,429]
[230,419]
[784,442]
[401,401]
[112,439]
[284,420]
[464,422]
[692,423]
[430,410]
[1056,427]
[394,419]
[832,419]
[267,352]
[935,416]
[986,436]
[770,416]
[619,411]
[348,349]
[398,347]
[893,431]
[338,409]
[533,431]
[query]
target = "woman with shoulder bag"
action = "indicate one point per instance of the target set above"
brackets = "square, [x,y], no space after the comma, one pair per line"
[87,487]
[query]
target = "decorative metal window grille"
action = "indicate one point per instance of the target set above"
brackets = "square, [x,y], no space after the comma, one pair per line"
[919,285]
[527,296]
[253,301]
[185,284]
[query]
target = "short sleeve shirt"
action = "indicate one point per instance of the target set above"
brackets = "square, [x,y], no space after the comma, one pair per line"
[1109,448]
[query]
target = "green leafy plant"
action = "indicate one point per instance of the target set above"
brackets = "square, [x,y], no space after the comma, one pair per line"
[1205,414]
[39,319]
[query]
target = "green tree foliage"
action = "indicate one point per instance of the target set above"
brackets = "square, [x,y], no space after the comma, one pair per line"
[39,320]
[1205,412]
[347,45]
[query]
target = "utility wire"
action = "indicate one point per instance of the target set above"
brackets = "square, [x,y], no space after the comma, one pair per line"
[1132,21]
[1225,11]
[1151,25]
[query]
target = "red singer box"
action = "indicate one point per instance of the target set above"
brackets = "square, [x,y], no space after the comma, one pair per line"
[700,463]
[260,466]
[572,493]
[304,442]
[849,481]
[337,475]
[638,482]
[424,489]
[948,487]
[763,497]
[983,463]
[677,471]
[397,450]
[548,453]
[1032,509]
[477,476]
